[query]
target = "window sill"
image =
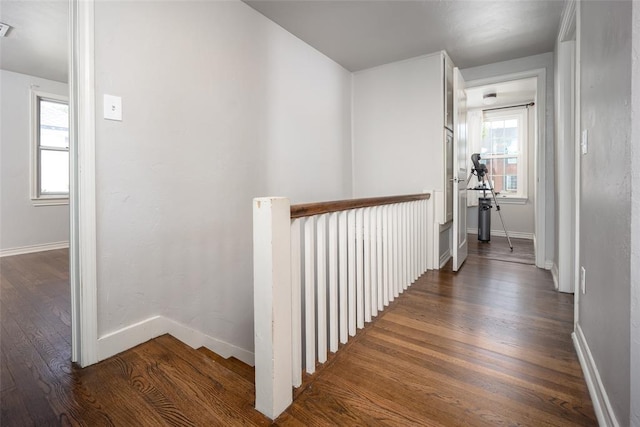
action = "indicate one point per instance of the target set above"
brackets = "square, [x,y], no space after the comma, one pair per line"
[509,200]
[50,201]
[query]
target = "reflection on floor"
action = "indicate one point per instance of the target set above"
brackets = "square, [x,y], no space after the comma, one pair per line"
[498,249]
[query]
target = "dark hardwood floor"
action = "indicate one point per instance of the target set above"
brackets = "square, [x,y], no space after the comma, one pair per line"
[489,345]
[498,249]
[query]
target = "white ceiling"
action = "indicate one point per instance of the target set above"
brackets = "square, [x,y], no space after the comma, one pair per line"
[357,34]
[37,43]
[360,34]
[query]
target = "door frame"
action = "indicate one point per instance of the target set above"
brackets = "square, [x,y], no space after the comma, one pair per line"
[82,206]
[570,23]
[568,258]
[540,176]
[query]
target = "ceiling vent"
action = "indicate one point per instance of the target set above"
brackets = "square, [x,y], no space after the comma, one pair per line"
[4,28]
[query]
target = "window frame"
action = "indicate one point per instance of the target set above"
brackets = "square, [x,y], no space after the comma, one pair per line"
[522,115]
[38,199]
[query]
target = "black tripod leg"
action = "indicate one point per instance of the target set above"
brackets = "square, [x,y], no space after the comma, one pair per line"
[504,227]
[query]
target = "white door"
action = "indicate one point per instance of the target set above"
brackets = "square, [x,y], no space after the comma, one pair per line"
[461,160]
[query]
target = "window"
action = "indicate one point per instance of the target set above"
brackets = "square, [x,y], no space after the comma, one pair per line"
[503,148]
[50,149]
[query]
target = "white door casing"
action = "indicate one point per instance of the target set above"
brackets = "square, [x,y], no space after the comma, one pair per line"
[82,241]
[460,159]
[539,178]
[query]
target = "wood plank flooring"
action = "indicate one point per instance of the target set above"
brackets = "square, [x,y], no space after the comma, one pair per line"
[498,249]
[489,345]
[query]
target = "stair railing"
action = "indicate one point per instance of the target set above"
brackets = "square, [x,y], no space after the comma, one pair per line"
[321,271]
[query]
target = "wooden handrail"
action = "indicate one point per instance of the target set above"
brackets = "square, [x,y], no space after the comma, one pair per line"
[317,208]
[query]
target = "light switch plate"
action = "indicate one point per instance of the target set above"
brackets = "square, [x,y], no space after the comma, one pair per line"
[584,143]
[112,107]
[583,280]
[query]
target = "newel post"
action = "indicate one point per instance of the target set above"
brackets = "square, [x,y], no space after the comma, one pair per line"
[272,304]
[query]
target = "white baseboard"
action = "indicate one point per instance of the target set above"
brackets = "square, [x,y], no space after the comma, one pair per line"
[138,333]
[501,233]
[548,265]
[554,274]
[445,257]
[34,248]
[601,404]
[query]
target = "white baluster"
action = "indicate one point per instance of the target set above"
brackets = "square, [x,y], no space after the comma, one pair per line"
[388,255]
[411,237]
[309,295]
[409,246]
[403,252]
[343,284]
[396,251]
[425,234]
[380,256]
[366,240]
[422,215]
[296,304]
[333,283]
[359,270]
[373,235]
[321,286]
[351,243]
[416,251]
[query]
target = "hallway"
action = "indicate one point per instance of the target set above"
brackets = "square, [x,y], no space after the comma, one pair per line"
[488,346]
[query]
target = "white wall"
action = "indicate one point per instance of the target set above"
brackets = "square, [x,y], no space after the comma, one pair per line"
[24,226]
[605,205]
[398,130]
[220,105]
[529,63]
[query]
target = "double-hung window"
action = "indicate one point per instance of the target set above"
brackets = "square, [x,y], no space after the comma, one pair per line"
[503,148]
[50,149]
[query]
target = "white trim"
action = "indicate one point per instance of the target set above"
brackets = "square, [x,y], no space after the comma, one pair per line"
[33,248]
[540,150]
[567,182]
[130,336]
[83,243]
[548,265]
[445,257]
[577,169]
[511,200]
[500,233]
[600,399]
[35,95]
[49,201]
[554,275]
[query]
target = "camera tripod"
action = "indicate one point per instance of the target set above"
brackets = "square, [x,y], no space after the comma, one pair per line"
[483,185]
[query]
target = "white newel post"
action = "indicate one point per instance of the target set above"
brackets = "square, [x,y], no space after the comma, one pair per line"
[272,304]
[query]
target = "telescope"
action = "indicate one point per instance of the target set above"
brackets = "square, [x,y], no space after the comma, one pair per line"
[480,168]
[484,203]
